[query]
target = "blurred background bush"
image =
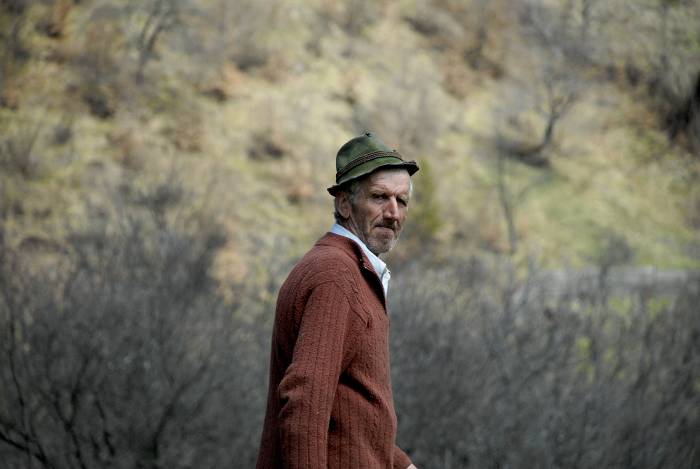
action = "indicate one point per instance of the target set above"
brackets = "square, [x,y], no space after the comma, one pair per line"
[163,164]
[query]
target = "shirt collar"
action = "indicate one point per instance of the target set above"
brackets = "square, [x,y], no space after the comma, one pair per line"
[379,265]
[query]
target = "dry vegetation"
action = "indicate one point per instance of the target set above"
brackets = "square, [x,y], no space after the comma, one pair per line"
[164,162]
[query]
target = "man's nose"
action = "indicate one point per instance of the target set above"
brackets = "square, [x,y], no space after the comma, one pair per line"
[391,210]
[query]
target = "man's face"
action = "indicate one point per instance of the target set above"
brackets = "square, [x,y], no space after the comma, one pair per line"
[379,209]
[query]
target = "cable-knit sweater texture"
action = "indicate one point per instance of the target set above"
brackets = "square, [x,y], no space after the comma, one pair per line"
[330,404]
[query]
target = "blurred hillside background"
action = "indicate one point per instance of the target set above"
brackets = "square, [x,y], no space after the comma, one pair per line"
[163,163]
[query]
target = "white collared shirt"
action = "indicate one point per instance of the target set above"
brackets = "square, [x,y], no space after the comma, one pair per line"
[380,267]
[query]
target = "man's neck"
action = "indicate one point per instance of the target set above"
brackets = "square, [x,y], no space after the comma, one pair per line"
[354,231]
[379,265]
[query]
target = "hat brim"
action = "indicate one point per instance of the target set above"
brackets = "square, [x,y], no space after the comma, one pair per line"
[370,167]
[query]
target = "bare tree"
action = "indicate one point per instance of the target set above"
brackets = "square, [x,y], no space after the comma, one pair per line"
[547,85]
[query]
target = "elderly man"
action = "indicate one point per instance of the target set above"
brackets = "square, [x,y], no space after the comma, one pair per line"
[330,402]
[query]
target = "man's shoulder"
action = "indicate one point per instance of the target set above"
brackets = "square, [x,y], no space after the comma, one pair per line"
[333,257]
[334,261]
[331,251]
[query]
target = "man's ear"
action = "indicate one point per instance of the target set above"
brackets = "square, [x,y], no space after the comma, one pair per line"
[343,204]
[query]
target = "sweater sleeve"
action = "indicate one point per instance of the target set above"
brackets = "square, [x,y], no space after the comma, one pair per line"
[307,390]
[401,460]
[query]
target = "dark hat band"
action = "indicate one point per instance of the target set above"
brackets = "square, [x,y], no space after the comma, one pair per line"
[364,159]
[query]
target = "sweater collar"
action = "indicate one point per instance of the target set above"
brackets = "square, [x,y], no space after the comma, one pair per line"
[380,267]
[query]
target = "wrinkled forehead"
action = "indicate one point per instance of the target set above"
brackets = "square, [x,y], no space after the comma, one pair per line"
[395,180]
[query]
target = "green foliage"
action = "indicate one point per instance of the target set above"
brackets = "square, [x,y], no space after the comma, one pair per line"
[425,214]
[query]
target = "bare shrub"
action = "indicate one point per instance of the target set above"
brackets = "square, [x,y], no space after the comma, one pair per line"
[471,28]
[18,150]
[99,62]
[659,52]
[683,119]
[408,109]
[489,373]
[120,41]
[14,53]
[15,7]
[235,33]
[54,24]
[354,16]
[122,353]
[159,17]
[673,80]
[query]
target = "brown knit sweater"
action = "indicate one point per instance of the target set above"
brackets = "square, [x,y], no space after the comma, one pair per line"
[329,402]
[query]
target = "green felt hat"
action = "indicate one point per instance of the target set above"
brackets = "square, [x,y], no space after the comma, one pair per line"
[364,155]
